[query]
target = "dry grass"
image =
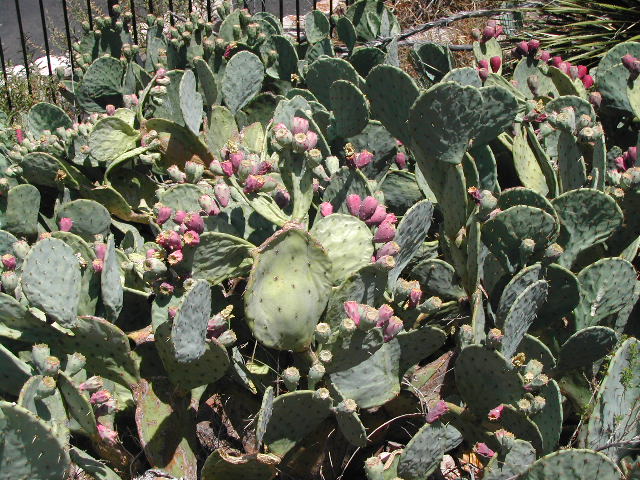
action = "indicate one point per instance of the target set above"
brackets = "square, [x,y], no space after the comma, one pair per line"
[415,12]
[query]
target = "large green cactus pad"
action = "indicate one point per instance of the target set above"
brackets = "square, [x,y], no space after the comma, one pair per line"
[287,290]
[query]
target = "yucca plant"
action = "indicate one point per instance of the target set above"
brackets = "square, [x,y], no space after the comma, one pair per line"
[585,31]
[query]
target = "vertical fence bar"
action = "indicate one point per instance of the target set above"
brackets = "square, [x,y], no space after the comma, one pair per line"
[47,51]
[190,6]
[24,45]
[5,76]
[315,4]
[151,7]
[134,22]
[171,20]
[68,32]
[89,14]
[331,14]
[298,20]
[209,10]
[281,11]
[264,5]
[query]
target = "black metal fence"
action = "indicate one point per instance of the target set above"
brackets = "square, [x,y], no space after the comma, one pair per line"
[139,9]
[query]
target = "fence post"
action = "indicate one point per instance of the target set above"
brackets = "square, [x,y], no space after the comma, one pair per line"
[134,22]
[47,51]
[68,32]
[6,77]
[89,14]
[24,46]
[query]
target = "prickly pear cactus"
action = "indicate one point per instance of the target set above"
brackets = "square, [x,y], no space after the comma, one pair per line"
[259,257]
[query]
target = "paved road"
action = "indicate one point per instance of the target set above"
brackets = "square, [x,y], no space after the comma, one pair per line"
[30,10]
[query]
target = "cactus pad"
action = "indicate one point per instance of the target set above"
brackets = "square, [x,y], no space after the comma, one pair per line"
[287,290]
[51,280]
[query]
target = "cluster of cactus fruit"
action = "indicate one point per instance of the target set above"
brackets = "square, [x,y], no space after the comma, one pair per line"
[256,258]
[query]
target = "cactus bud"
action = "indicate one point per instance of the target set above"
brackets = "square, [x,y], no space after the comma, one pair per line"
[300,125]
[316,372]
[9,281]
[191,238]
[176,175]
[193,171]
[9,261]
[291,378]
[488,33]
[476,34]
[325,356]
[107,435]
[193,221]
[494,338]
[322,332]
[91,384]
[389,248]
[228,338]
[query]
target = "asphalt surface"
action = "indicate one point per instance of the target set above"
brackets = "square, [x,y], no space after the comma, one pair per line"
[31,20]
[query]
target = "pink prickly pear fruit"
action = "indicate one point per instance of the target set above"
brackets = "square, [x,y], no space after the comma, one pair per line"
[367,207]
[164,214]
[496,413]
[499,31]
[385,312]
[619,161]
[484,63]
[9,261]
[588,82]
[166,288]
[391,218]
[326,209]
[222,193]
[175,258]
[191,238]
[488,33]
[353,204]
[595,98]
[311,140]
[101,396]
[401,160]
[227,168]
[483,73]
[363,159]
[564,68]
[385,233]
[253,184]
[193,221]
[300,125]
[107,435]
[437,411]
[66,224]
[389,248]
[582,71]
[533,45]
[414,297]
[556,61]
[97,265]
[545,56]
[172,312]
[179,217]
[483,450]
[627,61]
[393,328]
[523,48]
[19,135]
[91,384]
[633,155]
[496,63]
[352,309]
[208,205]
[387,262]
[235,159]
